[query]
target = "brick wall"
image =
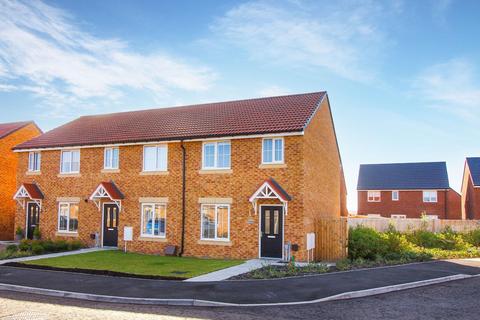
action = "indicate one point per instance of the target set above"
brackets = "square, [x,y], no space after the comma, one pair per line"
[245,176]
[410,204]
[8,164]
[454,205]
[471,201]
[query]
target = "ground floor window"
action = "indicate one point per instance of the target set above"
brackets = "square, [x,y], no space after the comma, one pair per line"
[154,219]
[68,217]
[215,223]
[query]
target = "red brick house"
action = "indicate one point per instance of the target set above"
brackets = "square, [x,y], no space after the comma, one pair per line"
[471,189]
[11,134]
[407,190]
[234,179]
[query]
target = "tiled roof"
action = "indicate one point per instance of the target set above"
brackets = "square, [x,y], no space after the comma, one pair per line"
[33,191]
[403,176]
[474,166]
[243,117]
[278,189]
[113,192]
[8,128]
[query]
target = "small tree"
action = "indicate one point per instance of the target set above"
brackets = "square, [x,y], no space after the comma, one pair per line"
[36,233]
[19,234]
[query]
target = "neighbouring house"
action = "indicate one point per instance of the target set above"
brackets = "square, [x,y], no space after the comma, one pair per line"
[471,189]
[238,179]
[11,134]
[407,190]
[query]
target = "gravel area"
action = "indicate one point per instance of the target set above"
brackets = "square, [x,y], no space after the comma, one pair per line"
[453,300]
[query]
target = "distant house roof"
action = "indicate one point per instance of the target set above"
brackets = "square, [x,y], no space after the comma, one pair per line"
[403,176]
[474,166]
[9,128]
[282,114]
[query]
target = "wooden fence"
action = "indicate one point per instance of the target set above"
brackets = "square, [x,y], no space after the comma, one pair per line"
[407,225]
[331,239]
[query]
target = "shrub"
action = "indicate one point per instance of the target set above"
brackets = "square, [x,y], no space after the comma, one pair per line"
[25,245]
[473,237]
[19,231]
[12,248]
[37,248]
[365,243]
[75,245]
[61,245]
[36,233]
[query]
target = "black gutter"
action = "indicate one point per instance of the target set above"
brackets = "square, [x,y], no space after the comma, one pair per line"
[182,245]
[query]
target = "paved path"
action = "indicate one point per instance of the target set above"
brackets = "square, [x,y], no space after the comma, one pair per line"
[53,255]
[239,292]
[227,273]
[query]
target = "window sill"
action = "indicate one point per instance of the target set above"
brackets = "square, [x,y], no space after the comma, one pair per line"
[66,234]
[215,171]
[69,175]
[215,243]
[33,173]
[272,165]
[153,239]
[110,171]
[154,173]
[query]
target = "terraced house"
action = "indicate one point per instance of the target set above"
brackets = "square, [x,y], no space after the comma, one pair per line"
[11,134]
[407,190]
[237,179]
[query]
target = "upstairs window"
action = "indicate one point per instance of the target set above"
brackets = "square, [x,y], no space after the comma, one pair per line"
[155,158]
[111,158]
[395,195]
[272,151]
[373,196]
[70,161]
[34,159]
[68,217]
[216,155]
[430,196]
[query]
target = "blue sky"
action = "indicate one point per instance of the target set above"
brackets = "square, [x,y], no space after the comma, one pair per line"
[403,77]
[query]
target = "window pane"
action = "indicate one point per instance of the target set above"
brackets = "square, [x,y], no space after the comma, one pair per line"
[223,155]
[276,221]
[160,213]
[222,222]
[115,158]
[75,161]
[278,150]
[208,222]
[267,222]
[267,150]
[73,219]
[66,161]
[147,220]
[149,158]
[63,217]
[108,158]
[161,158]
[209,155]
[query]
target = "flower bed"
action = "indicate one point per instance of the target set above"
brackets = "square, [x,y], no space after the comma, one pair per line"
[36,247]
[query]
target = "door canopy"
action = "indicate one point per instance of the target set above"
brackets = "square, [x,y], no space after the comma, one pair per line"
[107,190]
[270,189]
[29,191]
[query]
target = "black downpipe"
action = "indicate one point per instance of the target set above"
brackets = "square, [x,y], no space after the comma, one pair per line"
[182,245]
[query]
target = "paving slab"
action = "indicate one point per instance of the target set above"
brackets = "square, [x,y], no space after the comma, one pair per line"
[289,290]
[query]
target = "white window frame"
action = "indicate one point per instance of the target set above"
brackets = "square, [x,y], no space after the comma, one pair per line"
[157,146]
[397,198]
[215,154]
[398,216]
[31,161]
[282,161]
[110,166]
[147,235]
[216,222]
[371,197]
[428,197]
[68,220]
[71,153]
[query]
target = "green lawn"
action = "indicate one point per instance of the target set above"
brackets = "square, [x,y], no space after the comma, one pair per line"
[139,264]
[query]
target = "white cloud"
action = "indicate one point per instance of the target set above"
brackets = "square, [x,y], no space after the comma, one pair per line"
[452,86]
[273,90]
[342,37]
[43,48]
